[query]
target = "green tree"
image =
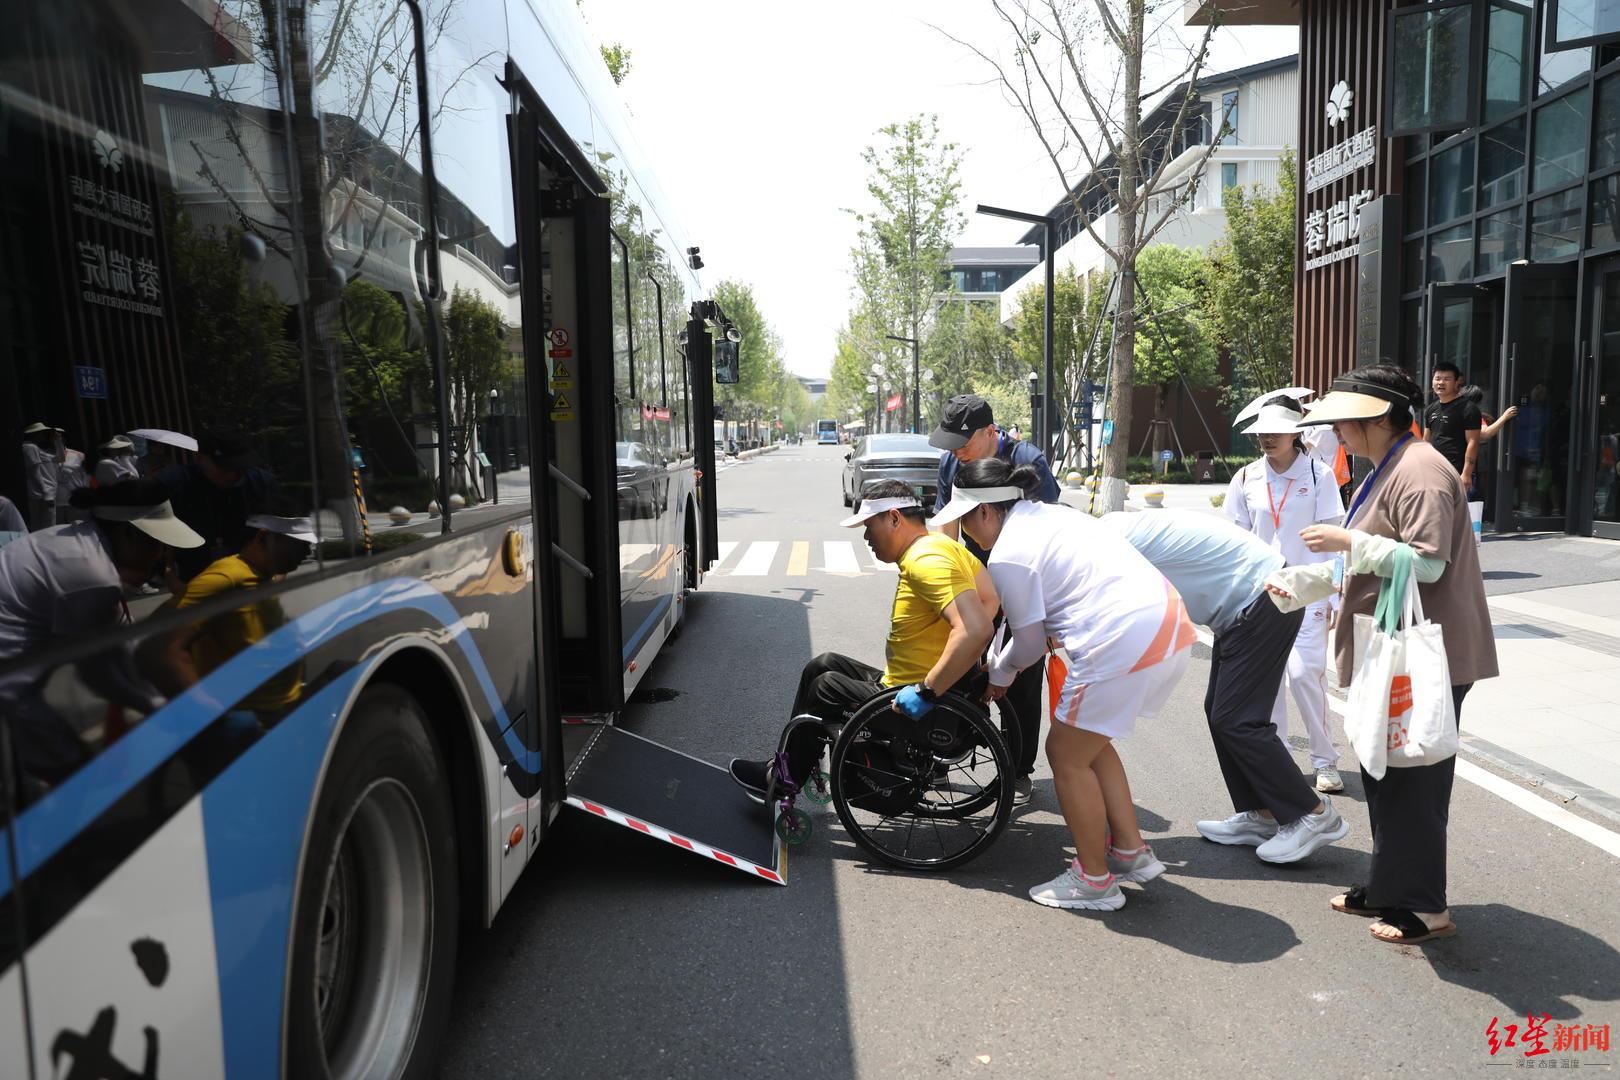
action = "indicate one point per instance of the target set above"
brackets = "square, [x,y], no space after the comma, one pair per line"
[1173,340]
[1251,288]
[903,249]
[760,370]
[475,360]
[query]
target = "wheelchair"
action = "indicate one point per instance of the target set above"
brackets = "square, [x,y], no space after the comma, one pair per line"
[928,794]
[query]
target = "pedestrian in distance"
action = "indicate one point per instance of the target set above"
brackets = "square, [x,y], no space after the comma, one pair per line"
[116,461]
[1274,498]
[43,454]
[1491,425]
[1062,577]
[1451,423]
[967,432]
[939,625]
[1220,572]
[1412,499]
[214,494]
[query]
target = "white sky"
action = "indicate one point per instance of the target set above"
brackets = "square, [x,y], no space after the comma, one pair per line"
[801,89]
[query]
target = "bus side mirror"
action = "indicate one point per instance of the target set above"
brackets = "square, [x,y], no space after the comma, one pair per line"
[727,367]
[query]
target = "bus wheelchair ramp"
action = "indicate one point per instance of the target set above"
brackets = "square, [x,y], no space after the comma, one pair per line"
[676,798]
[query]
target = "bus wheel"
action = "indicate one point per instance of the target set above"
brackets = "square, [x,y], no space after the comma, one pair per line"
[374,936]
[689,577]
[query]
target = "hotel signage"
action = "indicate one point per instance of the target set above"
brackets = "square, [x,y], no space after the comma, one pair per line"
[1331,232]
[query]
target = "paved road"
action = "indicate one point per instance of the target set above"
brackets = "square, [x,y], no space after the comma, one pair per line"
[620,957]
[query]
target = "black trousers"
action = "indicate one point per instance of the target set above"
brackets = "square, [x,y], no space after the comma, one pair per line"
[1024,697]
[832,685]
[1409,810]
[1250,659]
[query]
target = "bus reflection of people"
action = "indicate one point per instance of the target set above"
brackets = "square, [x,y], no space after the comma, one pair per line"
[67,582]
[184,657]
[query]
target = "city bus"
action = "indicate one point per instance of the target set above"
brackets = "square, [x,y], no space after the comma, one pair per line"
[826,432]
[388,286]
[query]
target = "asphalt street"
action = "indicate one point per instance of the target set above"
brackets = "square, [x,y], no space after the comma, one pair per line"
[617,956]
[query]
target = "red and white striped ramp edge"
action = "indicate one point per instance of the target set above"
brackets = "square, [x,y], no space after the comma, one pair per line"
[682,842]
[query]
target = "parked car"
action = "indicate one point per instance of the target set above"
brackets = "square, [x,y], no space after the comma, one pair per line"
[907,458]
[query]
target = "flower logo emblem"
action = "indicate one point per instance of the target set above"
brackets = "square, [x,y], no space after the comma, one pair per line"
[107,151]
[1340,98]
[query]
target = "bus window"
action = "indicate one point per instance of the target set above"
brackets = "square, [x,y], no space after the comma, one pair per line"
[624,359]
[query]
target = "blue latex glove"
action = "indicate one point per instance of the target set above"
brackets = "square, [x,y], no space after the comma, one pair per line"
[911,702]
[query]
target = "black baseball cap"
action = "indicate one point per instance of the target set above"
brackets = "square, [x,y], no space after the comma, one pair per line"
[228,449]
[964,414]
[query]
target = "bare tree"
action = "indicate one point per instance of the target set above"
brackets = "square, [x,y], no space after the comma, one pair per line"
[1077,73]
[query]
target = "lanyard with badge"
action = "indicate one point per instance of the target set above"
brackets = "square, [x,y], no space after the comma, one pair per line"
[1361,497]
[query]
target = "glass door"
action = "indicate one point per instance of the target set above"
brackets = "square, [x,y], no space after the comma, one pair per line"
[1601,403]
[1532,451]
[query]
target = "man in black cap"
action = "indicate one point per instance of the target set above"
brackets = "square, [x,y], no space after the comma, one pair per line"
[214,495]
[967,432]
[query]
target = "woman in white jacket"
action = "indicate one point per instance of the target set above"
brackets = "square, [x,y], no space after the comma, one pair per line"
[1275,497]
[1065,578]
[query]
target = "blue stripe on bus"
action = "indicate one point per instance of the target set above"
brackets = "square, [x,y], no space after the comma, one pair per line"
[49,824]
[254,817]
[636,639]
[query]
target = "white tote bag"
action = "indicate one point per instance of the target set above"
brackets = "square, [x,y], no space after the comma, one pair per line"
[1400,711]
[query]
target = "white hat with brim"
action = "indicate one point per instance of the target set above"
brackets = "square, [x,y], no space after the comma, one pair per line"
[1275,420]
[1353,398]
[870,508]
[35,429]
[158,522]
[1298,393]
[964,499]
[299,528]
[117,444]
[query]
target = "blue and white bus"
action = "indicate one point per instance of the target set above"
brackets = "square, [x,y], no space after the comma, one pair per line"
[827,432]
[395,273]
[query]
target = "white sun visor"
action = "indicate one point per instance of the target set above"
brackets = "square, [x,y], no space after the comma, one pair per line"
[872,507]
[964,499]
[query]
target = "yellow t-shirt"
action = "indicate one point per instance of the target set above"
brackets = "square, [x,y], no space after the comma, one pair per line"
[227,634]
[933,572]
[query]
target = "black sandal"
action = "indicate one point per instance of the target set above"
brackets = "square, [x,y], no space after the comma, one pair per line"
[1414,931]
[1354,902]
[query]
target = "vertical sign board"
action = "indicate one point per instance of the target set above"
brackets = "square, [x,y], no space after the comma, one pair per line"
[1377,281]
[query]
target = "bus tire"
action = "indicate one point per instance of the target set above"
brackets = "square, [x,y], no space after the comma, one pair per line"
[373,956]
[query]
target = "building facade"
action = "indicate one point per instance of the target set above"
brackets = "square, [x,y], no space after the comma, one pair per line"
[1460,201]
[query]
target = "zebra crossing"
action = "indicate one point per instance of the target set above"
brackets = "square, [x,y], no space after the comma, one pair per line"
[797,559]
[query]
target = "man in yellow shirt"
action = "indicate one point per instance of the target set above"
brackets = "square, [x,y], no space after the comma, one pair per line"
[939,626]
[275,548]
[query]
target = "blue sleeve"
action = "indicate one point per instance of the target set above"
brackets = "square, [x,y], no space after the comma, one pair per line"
[947,480]
[1026,454]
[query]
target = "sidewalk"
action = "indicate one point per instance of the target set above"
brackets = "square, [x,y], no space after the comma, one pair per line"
[1553,715]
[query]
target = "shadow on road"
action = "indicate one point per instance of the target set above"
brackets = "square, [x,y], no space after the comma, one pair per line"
[1528,962]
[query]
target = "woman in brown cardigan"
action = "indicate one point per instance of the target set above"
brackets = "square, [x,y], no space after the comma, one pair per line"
[1412,498]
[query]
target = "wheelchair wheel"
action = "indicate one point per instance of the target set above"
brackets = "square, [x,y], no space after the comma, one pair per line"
[927,794]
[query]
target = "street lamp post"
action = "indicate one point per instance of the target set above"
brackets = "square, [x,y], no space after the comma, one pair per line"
[1045,221]
[1034,398]
[916,379]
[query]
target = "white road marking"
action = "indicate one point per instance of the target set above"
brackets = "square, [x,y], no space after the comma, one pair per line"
[756,561]
[726,548]
[838,557]
[1606,840]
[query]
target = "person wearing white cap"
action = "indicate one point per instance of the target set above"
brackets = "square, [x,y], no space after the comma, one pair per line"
[43,453]
[1275,497]
[938,628]
[277,545]
[1063,577]
[64,583]
[116,461]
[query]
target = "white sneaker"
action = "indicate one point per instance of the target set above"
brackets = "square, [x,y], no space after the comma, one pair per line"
[1071,890]
[1299,838]
[1249,827]
[1143,866]
[1329,780]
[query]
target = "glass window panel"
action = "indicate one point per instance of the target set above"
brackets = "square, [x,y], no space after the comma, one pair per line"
[1583,20]
[1414,196]
[1606,141]
[1430,86]
[1507,60]
[1229,176]
[1451,191]
[1451,254]
[1411,334]
[1501,163]
[1412,265]
[1500,240]
[1229,115]
[1604,211]
[1555,225]
[1560,68]
[1560,148]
